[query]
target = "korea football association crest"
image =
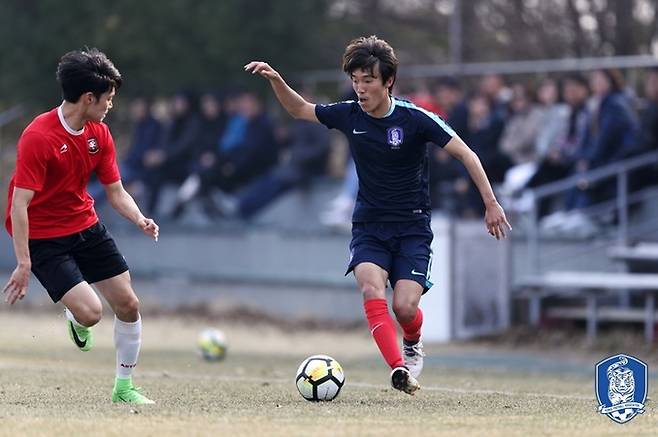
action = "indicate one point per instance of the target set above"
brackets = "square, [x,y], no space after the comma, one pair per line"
[92,146]
[395,137]
[621,387]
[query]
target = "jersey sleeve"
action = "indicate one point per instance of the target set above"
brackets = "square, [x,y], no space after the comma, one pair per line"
[107,169]
[434,128]
[31,161]
[334,115]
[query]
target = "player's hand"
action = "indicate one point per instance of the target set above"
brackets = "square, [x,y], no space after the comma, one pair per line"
[496,222]
[262,68]
[150,227]
[16,288]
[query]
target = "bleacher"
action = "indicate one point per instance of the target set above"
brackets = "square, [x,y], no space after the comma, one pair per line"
[623,288]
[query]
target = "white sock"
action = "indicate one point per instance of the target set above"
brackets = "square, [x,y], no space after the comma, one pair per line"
[127,340]
[69,315]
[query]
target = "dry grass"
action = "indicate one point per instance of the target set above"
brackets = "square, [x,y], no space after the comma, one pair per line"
[49,388]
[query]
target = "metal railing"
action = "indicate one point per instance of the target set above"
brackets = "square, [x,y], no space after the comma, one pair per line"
[619,170]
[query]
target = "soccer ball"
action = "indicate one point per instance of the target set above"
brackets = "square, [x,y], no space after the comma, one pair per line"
[212,344]
[319,378]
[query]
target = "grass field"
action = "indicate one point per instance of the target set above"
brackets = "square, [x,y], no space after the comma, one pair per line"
[47,387]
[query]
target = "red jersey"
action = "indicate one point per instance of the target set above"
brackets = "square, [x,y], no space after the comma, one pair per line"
[56,162]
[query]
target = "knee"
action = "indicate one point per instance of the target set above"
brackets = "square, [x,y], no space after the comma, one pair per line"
[405,312]
[372,291]
[88,316]
[128,308]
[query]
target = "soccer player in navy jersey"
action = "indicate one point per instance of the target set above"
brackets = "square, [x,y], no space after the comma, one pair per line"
[51,218]
[391,234]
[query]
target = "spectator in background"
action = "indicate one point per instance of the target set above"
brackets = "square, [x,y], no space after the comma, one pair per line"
[170,163]
[448,94]
[518,140]
[482,134]
[494,88]
[213,123]
[612,135]
[449,186]
[305,157]
[339,213]
[649,112]
[648,130]
[555,116]
[246,150]
[146,136]
[558,160]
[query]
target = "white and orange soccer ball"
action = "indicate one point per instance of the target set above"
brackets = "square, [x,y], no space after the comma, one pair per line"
[319,378]
[212,344]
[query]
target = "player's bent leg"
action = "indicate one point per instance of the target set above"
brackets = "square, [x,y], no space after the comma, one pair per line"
[127,336]
[83,310]
[372,281]
[405,305]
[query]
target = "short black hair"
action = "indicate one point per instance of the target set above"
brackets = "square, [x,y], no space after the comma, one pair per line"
[576,77]
[88,70]
[367,51]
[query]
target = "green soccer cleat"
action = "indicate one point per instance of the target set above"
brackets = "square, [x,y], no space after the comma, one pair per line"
[125,392]
[81,336]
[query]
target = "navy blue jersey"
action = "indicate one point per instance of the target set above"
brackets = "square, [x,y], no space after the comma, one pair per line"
[390,155]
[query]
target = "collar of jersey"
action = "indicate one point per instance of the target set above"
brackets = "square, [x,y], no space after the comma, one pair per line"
[65,125]
[390,110]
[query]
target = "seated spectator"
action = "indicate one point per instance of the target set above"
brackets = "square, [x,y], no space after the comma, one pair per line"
[213,122]
[146,136]
[246,150]
[304,158]
[171,162]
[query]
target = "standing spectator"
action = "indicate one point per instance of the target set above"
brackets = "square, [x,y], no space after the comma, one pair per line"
[612,135]
[649,112]
[519,138]
[559,158]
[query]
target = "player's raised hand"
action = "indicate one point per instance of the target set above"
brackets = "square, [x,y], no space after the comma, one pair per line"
[496,222]
[262,68]
[16,288]
[150,227]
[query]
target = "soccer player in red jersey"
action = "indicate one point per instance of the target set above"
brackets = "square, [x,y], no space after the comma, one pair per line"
[51,218]
[391,234]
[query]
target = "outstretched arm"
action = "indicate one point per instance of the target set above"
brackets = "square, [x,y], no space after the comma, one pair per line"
[290,100]
[125,205]
[494,215]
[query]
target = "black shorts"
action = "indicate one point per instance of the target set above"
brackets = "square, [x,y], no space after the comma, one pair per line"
[403,249]
[62,263]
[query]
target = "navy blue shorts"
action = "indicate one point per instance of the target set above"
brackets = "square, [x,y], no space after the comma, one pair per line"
[62,263]
[403,249]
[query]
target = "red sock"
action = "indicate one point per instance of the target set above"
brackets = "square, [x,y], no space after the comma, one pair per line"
[412,329]
[382,329]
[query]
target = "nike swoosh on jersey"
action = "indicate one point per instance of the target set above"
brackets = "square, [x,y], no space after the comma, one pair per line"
[359,132]
[76,339]
[414,272]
